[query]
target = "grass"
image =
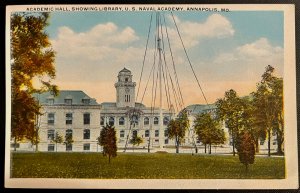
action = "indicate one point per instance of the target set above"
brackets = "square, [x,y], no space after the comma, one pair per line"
[143,166]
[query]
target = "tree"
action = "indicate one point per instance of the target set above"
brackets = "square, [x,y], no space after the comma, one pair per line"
[31,59]
[108,141]
[268,102]
[136,140]
[58,139]
[230,109]
[68,139]
[176,128]
[246,149]
[208,130]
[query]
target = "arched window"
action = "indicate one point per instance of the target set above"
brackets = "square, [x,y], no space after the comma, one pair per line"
[166,120]
[134,133]
[86,134]
[122,121]
[155,121]
[111,121]
[146,121]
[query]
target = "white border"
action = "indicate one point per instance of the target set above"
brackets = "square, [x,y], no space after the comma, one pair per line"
[291,153]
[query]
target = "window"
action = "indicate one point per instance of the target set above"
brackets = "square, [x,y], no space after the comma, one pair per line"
[155,121]
[86,134]
[122,133]
[51,118]
[147,133]
[126,79]
[134,133]
[127,98]
[86,118]
[50,147]
[166,141]
[51,134]
[166,133]
[101,120]
[69,133]
[111,121]
[86,101]
[68,101]
[122,121]
[69,147]
[156,140]
[166,121]
[156,133]
[146,121]
[69,118]
[86,146]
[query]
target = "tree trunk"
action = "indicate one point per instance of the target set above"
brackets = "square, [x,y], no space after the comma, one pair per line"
[210,148]
[279,144]
[233,146]
[177,145]
[56,146]
[36,147]
[204,148]
[269,142]
[15,144]
[256,146]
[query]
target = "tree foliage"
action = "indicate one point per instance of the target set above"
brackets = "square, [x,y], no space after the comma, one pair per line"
[268,104]
[136,140]
[208,130]
[246,149]
[108,141]
[31,59]
[176,128]
[230,109]
[58,139]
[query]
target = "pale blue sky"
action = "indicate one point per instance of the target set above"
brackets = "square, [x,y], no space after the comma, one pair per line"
[228,50]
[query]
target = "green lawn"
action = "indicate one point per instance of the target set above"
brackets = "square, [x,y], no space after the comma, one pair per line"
[142,166]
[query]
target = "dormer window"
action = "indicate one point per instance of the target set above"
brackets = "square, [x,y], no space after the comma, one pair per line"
[50,101]
[86,101]
[68,101]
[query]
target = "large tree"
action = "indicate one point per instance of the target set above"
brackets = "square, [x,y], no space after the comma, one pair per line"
[108,141]
[268,102]
[32,60]
[230,109]
[208,130]
[176,128]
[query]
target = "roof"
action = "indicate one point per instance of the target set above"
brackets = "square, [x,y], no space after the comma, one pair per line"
[200,108]
[125,70]
[75,95]
[114,105]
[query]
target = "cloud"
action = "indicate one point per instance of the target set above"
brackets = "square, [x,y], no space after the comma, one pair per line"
[248,61]
[215,26]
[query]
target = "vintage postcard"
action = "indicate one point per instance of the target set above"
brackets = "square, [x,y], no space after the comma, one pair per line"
[151,97]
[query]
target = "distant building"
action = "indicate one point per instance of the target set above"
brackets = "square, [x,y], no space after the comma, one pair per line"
[77,114]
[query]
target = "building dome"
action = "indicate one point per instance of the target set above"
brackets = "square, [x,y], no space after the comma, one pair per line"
[125,71]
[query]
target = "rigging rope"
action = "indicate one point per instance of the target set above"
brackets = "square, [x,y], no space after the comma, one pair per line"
[189,59]
[144,58]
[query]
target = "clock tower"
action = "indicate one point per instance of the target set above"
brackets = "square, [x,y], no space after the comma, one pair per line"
[125,89]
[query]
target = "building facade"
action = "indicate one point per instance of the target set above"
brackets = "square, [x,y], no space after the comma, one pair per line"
[74,113]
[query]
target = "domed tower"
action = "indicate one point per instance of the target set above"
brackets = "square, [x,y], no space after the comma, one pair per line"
[125,89]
